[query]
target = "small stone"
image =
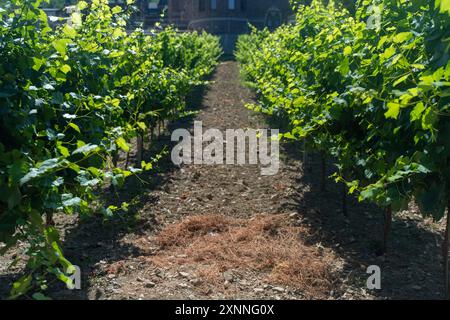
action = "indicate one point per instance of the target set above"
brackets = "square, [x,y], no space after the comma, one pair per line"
[416,287]
[278,289]
[228,276]
[184,274]
[196,282]
[150,284]
[182,285]
[258,290]
[96,294]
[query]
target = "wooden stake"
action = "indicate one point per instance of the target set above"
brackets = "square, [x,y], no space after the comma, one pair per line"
[127,162]
[115,159]
[323,173]
[304,157]
[151,134]
[344,200]
[49,219]
[140,148]
[445,251]
[387,228]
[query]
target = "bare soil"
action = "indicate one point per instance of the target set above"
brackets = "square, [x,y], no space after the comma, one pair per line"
[227,232]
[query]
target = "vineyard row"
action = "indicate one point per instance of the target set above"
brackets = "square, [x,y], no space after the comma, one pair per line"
[71,101]
[370,91]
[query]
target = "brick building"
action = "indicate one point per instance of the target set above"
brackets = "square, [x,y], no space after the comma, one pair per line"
[227,16]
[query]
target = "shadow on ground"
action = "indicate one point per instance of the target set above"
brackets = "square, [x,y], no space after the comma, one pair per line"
[411,269]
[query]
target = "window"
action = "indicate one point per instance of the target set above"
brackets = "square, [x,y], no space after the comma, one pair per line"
[201,5]
[231,4]
[243,5]
[273,19]
[213,4]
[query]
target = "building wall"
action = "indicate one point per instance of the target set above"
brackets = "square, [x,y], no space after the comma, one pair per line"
[198,14]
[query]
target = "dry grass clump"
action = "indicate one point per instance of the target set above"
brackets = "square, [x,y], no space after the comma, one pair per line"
[192,228]
[267,244]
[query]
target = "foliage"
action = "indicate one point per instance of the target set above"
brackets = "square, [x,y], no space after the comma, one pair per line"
[372,91]
[71,99]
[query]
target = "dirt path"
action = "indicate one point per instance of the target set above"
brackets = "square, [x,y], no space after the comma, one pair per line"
[227,232]
[230,219]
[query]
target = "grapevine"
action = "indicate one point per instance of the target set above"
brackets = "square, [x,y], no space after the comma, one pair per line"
[72,102]
[370,91]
